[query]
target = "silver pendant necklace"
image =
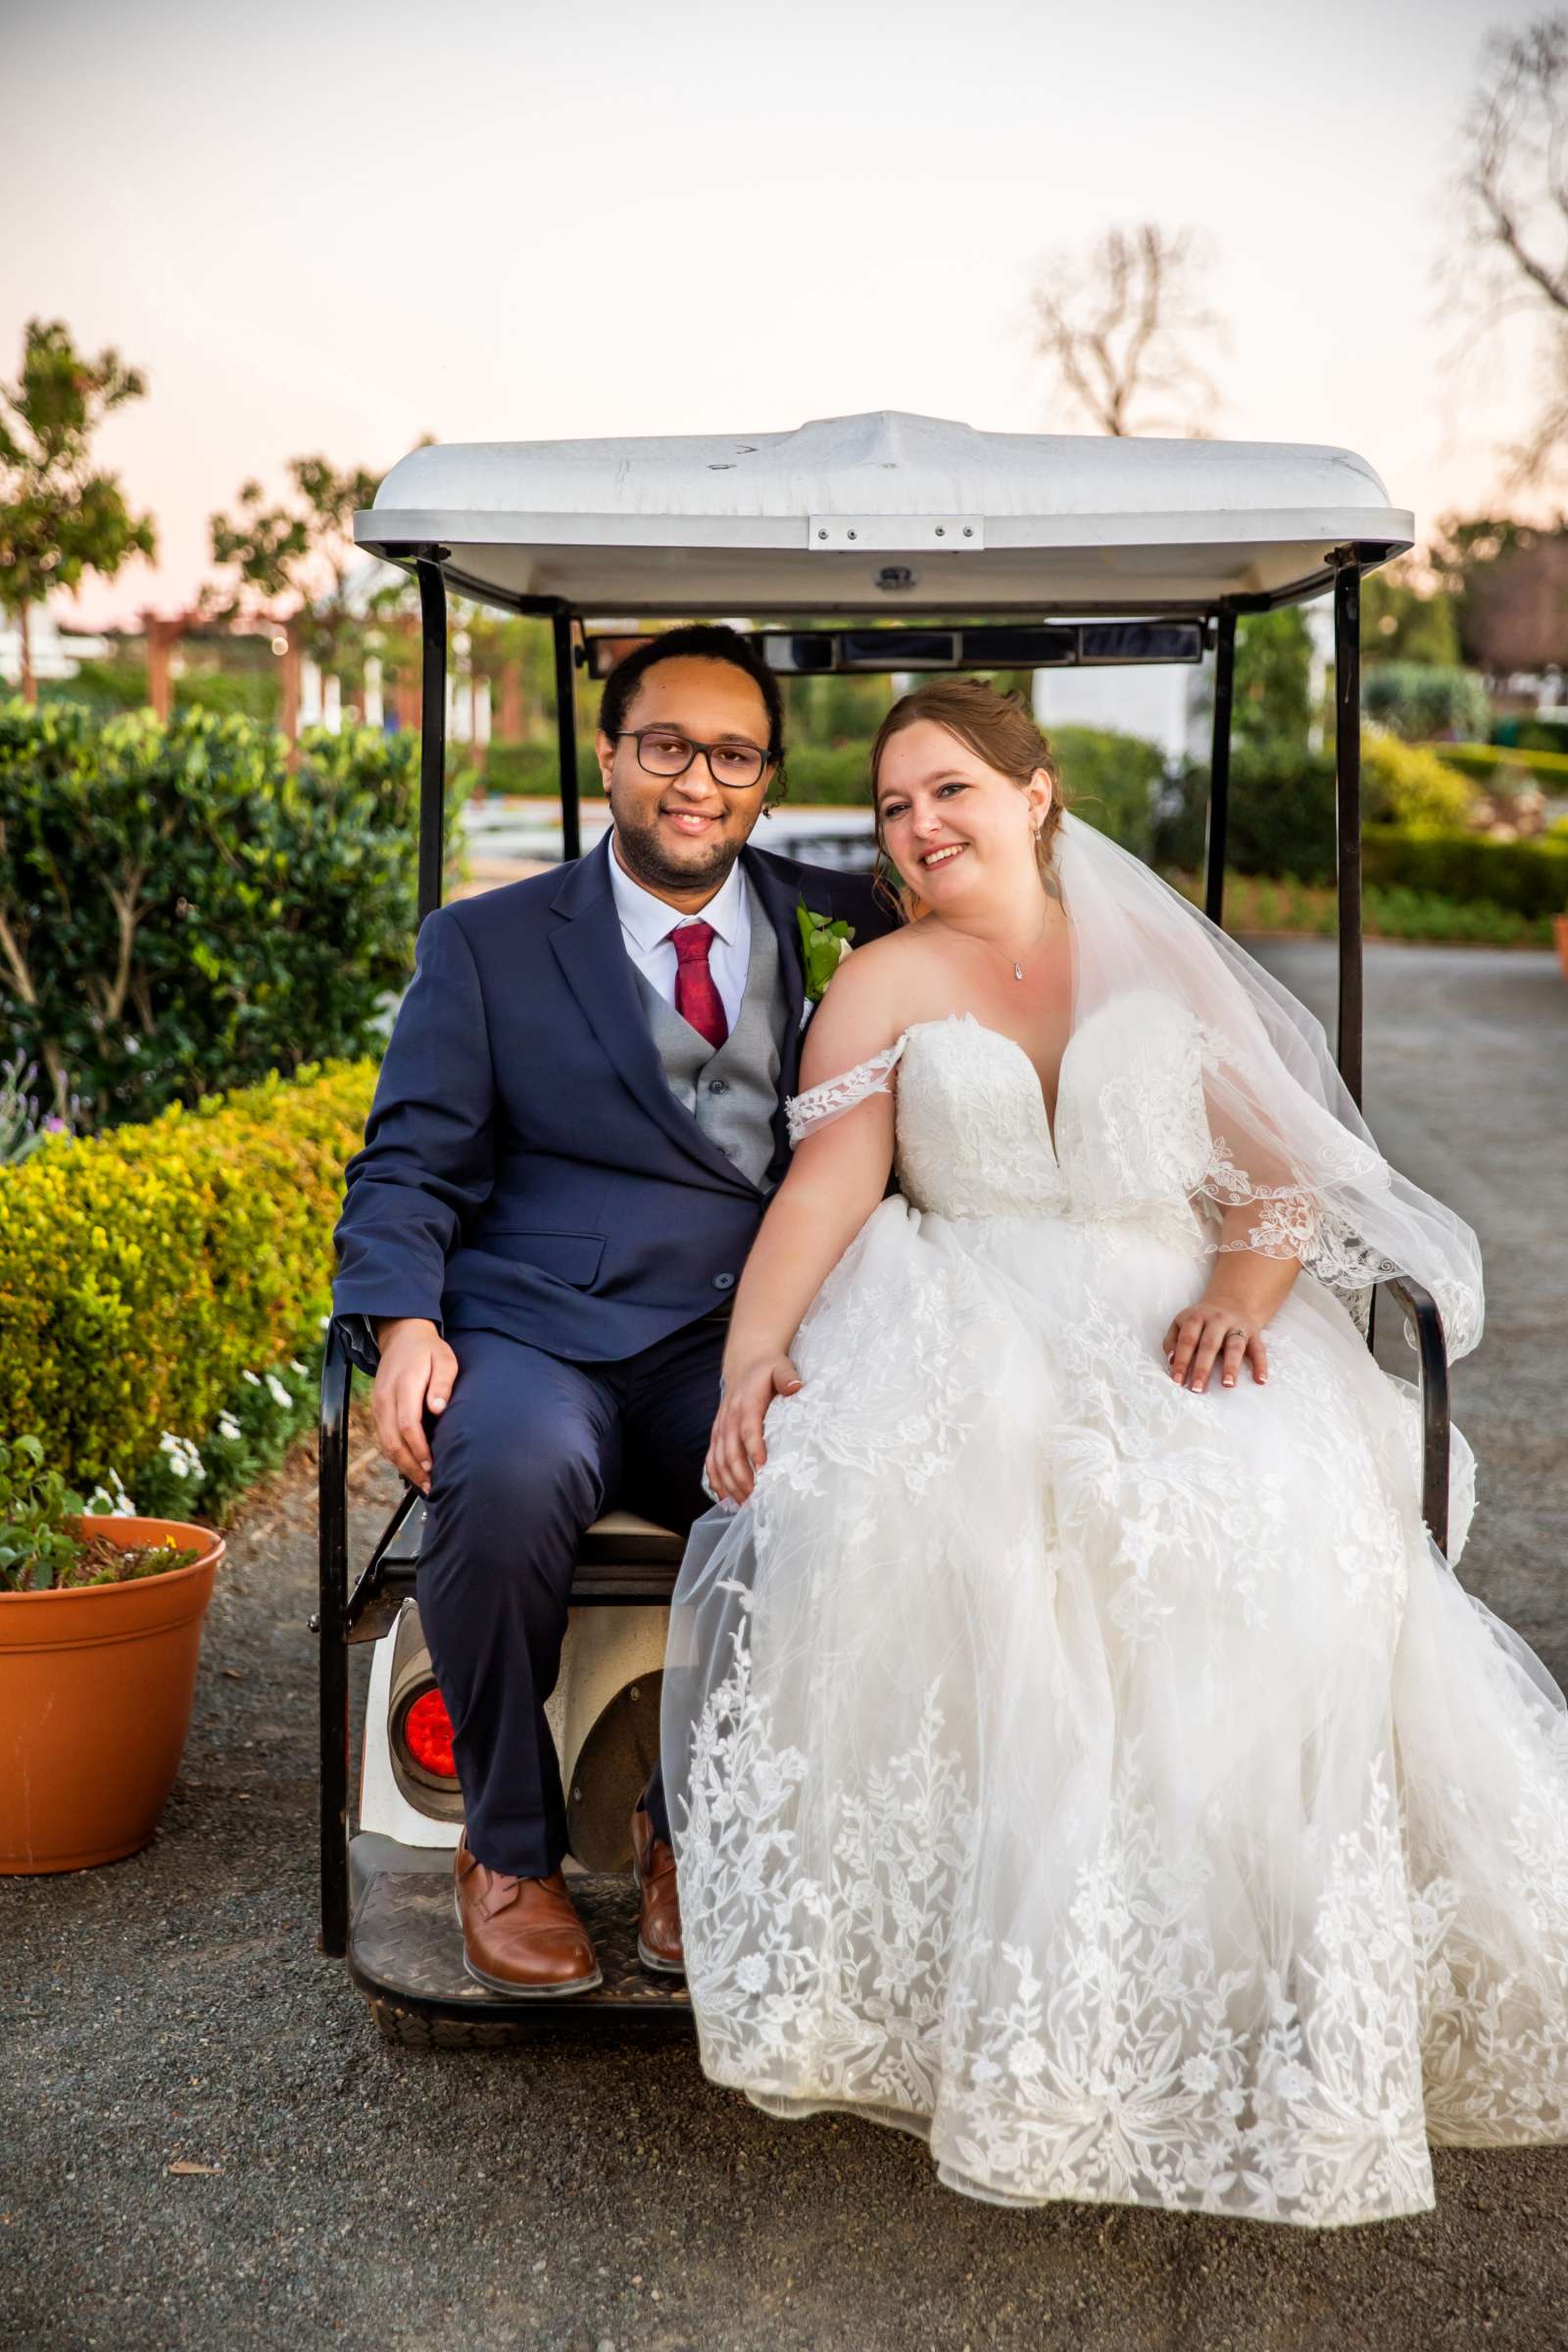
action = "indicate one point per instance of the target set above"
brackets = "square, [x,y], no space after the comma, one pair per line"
[1017,967]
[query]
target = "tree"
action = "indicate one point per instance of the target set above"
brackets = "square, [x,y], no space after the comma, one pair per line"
[1399,623]
[1273,686]
[301,553]
[1510,585]
[1118,333]
[1515,191]
[60,516]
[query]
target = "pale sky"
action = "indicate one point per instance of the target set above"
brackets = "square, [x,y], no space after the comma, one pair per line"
[332,227]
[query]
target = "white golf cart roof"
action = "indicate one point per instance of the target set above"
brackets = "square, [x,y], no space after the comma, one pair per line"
[883,513]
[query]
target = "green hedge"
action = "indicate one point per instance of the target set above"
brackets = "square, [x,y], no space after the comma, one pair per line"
[1280,820]
[1112,782]
[1525,877]
[1531,734]
[839,776]
[143,1273]
[1487,762]
[531,771]
[1256,904]
[1116,776]
[179,911]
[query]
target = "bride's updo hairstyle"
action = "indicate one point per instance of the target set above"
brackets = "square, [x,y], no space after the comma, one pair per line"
[999,730]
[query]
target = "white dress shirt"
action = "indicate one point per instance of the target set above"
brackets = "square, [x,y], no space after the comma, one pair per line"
[647,924]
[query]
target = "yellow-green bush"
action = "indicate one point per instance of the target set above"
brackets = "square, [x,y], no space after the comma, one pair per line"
[142,1271]
[1405,784]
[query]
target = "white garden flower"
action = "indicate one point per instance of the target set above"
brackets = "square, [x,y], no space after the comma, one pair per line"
[110,1500]
[228,1429]
[294,1365]
[251,1378]
[277,1392]
[181,1456]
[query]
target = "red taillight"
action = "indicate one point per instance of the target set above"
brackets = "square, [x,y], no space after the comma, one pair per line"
[427,1735]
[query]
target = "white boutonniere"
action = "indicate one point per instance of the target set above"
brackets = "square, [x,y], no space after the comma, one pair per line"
[824,944]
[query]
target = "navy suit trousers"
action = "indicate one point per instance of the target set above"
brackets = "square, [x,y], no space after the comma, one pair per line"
[530,1451]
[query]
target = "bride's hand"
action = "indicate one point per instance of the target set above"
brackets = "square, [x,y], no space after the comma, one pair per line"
[736,1449]
[1213,1330]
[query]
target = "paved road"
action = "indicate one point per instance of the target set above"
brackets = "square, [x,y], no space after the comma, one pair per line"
[583,2194]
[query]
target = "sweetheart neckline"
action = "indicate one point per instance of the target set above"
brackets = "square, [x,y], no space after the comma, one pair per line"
[940,1021]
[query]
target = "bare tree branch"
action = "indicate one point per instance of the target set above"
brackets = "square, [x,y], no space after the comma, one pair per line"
[1514,187]
[1118,330]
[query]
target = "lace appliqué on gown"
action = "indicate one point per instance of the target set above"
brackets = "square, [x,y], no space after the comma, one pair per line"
[819,1103]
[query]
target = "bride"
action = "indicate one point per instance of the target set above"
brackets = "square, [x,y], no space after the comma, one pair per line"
[1079,1753]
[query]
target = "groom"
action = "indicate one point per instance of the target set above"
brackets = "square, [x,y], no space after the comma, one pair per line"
[574,1133]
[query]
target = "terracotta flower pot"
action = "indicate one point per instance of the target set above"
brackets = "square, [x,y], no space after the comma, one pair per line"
[1560,925]
[95,1696]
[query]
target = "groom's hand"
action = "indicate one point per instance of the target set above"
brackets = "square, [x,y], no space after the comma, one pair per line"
[417,1369]
[736,1449]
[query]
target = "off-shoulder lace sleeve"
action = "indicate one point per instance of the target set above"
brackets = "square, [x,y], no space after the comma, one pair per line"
[835,1096]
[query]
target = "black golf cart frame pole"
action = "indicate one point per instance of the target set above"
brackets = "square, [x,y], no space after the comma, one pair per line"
[432,733]
[330,1625]
[1219,769]
[1348,800]
[566,731]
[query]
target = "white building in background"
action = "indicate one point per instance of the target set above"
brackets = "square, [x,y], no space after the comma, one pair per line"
[1169,703]
[56,653]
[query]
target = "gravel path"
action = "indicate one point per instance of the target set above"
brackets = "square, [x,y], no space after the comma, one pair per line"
[585,2194]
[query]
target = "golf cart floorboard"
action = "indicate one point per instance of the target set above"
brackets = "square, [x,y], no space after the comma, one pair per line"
[406,1955]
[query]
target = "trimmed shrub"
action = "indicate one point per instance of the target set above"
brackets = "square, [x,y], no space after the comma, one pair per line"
[1281,814]
[1282,819]
[1403,784]
[142,1273]
[531,771]
[1501,764]
[831,775]
[180,911]
[1253,903]
[231,692]
[837,775]
[1111,781]
[1418,698]
[1533,734]
[1525,877]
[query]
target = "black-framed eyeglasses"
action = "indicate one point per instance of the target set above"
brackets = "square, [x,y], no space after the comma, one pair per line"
[662,752]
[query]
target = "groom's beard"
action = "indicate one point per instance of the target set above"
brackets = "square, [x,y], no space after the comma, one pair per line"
[646,859]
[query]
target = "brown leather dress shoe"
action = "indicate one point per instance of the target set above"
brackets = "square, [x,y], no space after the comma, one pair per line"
[520,1935]
[653,1866]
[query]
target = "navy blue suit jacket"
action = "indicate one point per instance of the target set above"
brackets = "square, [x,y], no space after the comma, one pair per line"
[526,1168]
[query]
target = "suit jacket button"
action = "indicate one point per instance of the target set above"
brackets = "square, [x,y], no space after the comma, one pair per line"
[719,1085]
[724,1282]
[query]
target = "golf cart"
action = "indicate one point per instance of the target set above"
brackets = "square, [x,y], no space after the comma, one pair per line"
[884,530]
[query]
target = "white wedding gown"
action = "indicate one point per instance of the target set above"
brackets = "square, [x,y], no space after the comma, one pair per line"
[1111,1784]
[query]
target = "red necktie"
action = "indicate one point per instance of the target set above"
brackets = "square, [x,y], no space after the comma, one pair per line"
[697,997]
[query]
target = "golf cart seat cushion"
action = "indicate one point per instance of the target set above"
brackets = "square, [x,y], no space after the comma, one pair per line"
[620,1539]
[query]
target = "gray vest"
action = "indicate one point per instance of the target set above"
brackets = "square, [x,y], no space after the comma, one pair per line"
[732,1094]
